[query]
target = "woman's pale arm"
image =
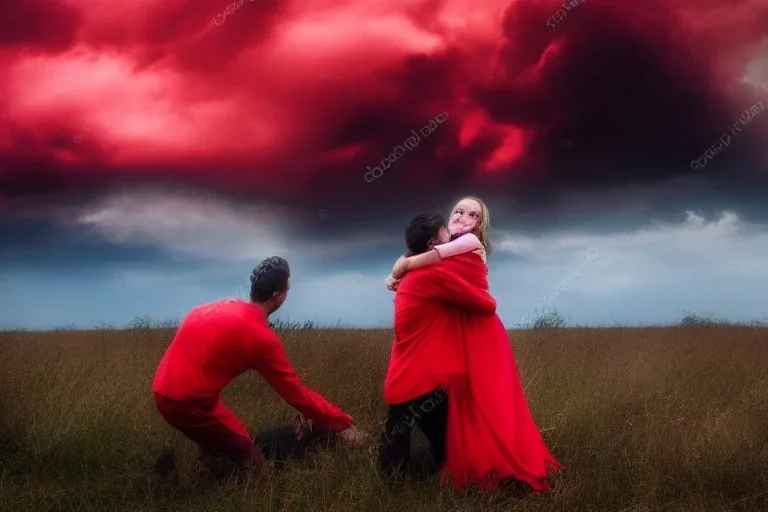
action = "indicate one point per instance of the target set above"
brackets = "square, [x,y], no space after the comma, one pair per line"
[413,262]
[463,244]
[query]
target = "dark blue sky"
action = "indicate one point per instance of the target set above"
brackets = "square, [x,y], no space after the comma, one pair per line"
[627,257]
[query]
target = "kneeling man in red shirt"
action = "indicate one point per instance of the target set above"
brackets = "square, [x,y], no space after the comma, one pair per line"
[218,341]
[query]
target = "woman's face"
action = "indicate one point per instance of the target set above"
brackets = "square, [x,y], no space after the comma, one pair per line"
[465,217]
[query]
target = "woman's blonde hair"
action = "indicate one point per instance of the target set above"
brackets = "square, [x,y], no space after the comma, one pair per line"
[482,231]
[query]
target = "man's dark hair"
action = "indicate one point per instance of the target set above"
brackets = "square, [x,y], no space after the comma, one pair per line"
[421,230]
[269,277]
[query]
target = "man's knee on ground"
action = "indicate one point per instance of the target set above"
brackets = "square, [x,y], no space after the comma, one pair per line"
[389,467]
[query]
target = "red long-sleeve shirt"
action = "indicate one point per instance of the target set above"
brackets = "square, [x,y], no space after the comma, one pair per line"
[218,341]
[428,349]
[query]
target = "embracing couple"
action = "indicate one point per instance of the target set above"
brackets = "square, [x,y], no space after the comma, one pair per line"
[452,372]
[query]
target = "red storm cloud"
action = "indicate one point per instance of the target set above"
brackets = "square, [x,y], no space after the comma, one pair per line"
[289,98]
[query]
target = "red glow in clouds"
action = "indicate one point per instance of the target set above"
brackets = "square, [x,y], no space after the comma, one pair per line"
[288,96]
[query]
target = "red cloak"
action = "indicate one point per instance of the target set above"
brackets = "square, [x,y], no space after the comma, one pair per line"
[491,432]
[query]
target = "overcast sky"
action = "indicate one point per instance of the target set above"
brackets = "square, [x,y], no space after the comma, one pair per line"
[153,152]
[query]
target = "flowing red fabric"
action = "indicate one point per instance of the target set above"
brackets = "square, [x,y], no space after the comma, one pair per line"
[492,435]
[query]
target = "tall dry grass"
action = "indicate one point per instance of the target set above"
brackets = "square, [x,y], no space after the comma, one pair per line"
[643,419]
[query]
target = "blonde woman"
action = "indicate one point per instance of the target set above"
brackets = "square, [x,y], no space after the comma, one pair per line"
[470,217]
[491,434]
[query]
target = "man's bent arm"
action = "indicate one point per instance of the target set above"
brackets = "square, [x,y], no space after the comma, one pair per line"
[272,363]
[449,286]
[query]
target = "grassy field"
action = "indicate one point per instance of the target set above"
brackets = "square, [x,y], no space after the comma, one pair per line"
[643,419]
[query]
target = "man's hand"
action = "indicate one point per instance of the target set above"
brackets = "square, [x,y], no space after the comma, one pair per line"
[392,283]
[353,437]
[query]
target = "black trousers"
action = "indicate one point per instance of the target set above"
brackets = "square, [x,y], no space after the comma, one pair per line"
[278,444]
[430,413]
[281,444]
